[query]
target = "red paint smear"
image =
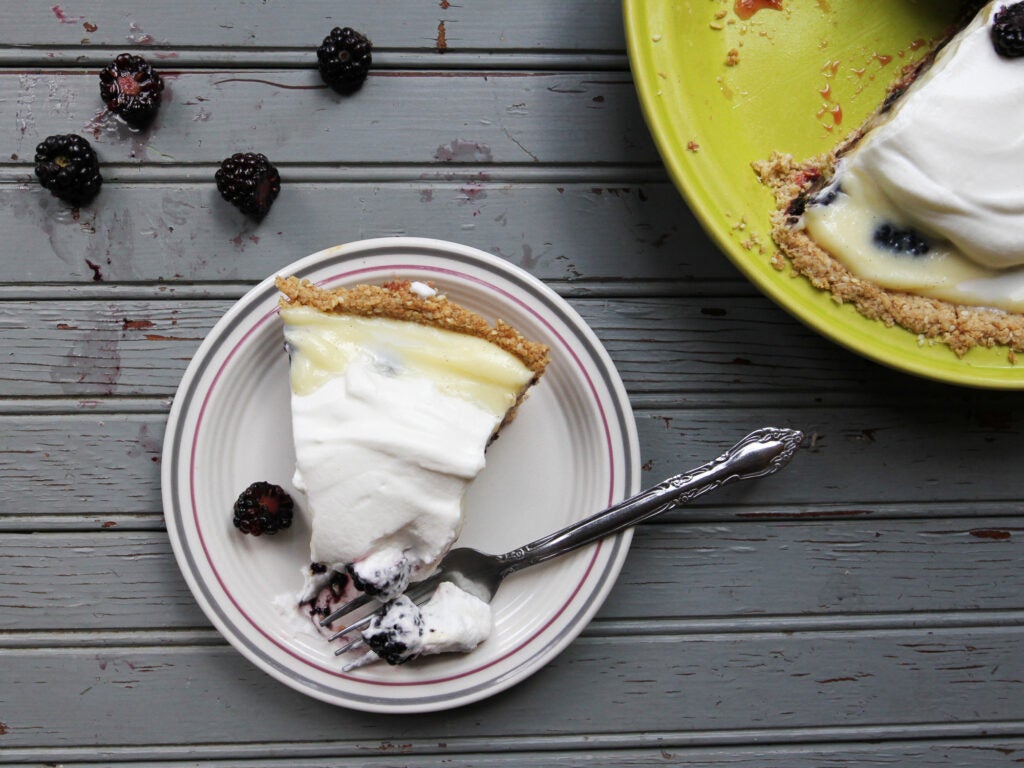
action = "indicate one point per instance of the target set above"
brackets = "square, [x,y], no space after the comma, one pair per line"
[747,8]
[97,275]
[991,533]
[136,325]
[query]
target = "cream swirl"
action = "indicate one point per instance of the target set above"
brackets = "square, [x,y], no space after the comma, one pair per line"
[948,156]
[941,162]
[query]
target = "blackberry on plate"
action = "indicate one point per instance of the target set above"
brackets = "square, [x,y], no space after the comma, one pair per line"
[250,182]
[263,508]
[1008,31]
[131,88]
[66,164]
[344,59]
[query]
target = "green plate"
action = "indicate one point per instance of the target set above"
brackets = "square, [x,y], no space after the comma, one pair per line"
[803,78]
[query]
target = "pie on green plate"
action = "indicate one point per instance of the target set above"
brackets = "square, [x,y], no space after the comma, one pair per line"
[720,92]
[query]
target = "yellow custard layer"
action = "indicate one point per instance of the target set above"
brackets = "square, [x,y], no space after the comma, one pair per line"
[323,346]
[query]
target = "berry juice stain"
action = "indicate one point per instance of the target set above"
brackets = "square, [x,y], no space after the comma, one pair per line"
[834,112]
[747,8]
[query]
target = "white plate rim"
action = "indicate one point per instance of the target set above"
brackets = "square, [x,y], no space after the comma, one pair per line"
[608,556]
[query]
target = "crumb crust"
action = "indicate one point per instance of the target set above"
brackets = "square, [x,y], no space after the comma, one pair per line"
[397,301]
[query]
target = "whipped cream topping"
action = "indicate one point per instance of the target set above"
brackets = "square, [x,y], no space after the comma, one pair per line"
[390,422]
[942,163]
[451,621]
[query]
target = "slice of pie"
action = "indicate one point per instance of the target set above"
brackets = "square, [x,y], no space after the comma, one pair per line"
[917,218]
[396,393]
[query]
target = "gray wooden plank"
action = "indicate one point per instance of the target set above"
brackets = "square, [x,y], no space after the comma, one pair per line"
[676,349]
[98,582]
[823,569]
[396,24]
[290,116]
[83,466]
[966,753]
[557,229]
[669,684]
[89,466]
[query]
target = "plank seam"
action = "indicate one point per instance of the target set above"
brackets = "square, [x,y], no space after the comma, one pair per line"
[992,734]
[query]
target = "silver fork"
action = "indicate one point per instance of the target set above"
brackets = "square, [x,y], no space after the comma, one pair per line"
[762,452]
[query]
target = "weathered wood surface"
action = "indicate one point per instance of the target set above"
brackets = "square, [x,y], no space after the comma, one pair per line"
[498,117]
[674,683]
[700,576]
[591,226]
[82,465]
[675,348]
[535,26]
[933,754]
[862,608]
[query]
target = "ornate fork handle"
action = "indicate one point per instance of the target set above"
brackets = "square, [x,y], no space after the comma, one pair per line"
[760,453]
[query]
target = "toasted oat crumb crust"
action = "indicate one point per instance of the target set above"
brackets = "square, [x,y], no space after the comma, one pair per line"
[396,300]
[960,327]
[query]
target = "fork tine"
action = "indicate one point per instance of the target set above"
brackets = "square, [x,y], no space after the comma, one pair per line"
[352,627]
[418,593]
[359,602]
[348,607]
[349,646]
[367,658]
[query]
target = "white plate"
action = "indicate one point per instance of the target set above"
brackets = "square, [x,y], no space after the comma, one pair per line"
[571,451]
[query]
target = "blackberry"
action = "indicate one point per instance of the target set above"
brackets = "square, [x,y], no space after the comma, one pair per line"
[344,59]
[383,582]
[66,164]
[827,196]
[130,88]
[327,589]
[396,632]
[263,508]
[900,240]
[389,647]
[250,182]
[1008,31]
